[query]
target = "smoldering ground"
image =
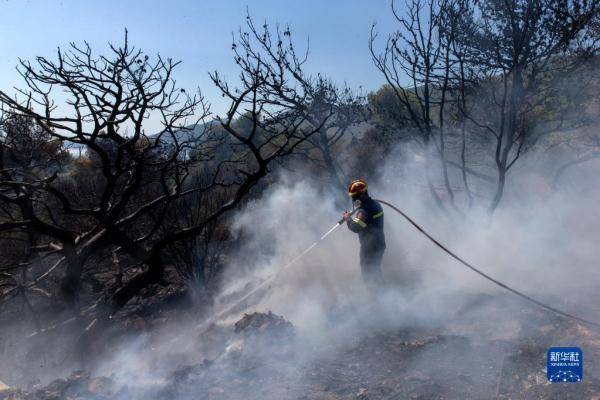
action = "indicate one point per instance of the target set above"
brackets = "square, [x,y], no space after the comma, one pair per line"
[436,330]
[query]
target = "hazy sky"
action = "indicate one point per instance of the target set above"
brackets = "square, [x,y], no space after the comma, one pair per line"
[196,32]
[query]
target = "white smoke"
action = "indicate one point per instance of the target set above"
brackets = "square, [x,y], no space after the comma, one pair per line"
[545,247]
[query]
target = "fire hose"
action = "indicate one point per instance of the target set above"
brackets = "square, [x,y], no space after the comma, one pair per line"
[486,276]
[263,284]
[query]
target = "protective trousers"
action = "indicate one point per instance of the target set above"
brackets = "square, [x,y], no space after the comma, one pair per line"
[370,266]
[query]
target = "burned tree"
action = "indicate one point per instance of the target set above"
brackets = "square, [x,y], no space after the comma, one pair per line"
[140,180]
[26,153]
[343,109]
[522,49]
[325,108]
[416,64]
[109,100]
[486,71]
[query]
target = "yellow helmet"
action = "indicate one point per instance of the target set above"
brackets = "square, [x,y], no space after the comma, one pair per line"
[356,187]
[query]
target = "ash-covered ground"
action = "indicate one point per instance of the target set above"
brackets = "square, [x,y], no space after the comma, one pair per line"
[473,354]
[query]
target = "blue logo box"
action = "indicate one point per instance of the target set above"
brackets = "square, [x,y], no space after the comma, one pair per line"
[565,364]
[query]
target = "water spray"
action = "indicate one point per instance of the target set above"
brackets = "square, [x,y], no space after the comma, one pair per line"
[266,281]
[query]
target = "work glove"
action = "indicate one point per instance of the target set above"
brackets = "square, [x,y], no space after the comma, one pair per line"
[345,215]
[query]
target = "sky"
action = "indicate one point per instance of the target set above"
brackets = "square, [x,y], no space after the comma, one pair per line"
[199,33]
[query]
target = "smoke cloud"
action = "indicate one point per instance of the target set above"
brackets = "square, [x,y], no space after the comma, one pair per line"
[542,242]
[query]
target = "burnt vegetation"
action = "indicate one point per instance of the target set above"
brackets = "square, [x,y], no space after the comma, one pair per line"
[98,213]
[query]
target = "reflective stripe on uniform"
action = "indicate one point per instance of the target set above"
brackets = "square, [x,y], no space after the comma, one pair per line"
[379,214]
[359,222]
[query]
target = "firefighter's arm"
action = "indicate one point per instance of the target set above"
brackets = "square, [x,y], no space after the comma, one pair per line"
[356,222]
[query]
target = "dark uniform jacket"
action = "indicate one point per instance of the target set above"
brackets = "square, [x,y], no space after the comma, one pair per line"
[370,227]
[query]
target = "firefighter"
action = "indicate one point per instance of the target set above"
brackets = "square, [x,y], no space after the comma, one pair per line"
[367,220]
